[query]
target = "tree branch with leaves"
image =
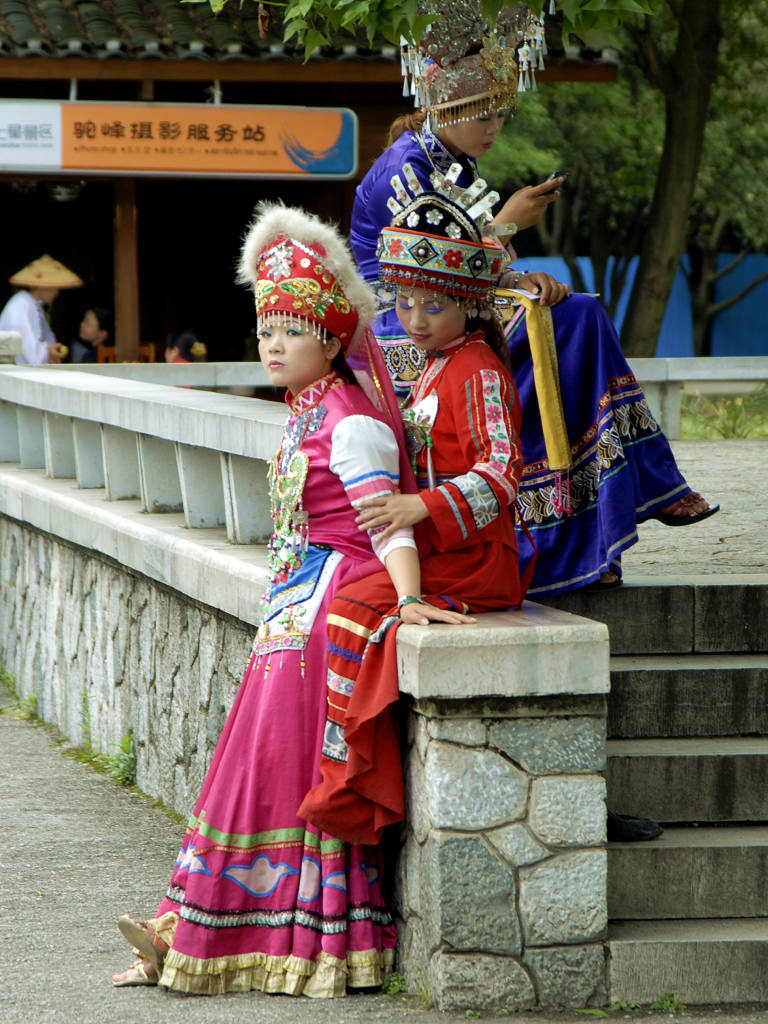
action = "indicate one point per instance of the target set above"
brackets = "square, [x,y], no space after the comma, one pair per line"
[308,24]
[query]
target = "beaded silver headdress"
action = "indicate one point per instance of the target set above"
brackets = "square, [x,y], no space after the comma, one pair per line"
[462,68]
[436,239]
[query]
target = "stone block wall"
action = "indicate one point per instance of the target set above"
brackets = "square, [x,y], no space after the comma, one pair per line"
[121,654]
[503,877]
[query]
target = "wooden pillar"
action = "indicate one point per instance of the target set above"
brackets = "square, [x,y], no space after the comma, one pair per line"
[126,272]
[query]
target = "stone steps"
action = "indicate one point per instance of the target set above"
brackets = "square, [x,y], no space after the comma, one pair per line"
[688,695]
[690,873]
[708,961]
[688,745]
[696,780]
[692,614]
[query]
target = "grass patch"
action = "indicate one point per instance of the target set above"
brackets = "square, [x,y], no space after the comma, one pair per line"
[669,1004]
[120,766]
[394,984]
[721,417]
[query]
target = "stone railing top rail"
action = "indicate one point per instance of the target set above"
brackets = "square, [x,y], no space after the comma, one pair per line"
[710,368]
[202,453]
[198,375]
[226,423]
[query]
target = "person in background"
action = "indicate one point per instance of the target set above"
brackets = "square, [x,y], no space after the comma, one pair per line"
[95,330]
[25,312]
[185,347]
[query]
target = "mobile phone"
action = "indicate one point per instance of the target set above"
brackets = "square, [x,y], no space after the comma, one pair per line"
[557,174]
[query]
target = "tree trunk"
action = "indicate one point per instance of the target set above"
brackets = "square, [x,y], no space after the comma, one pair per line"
[686,81]
[702,289]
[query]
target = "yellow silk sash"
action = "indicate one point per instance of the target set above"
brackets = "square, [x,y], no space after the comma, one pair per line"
[546,377]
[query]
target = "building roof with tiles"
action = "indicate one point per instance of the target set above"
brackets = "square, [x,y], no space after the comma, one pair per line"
[145,29]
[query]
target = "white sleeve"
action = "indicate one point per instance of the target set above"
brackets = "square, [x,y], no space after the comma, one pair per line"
[365,457]
[25,316]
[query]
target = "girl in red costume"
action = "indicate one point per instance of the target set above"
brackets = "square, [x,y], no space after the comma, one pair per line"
[462,426]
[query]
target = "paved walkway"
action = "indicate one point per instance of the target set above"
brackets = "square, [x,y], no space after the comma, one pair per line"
[735,540]
[77,850]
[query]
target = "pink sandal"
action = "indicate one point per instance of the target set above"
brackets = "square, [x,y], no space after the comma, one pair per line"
[143,937]
[140,973]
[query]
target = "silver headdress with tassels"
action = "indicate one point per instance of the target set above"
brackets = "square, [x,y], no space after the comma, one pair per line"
[464,68]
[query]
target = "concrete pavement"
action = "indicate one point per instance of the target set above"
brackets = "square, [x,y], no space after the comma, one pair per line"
[733,474]
[77,849]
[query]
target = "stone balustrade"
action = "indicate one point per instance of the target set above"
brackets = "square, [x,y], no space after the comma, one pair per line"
[132,516]
[174,448]
[661,379]
[503,873]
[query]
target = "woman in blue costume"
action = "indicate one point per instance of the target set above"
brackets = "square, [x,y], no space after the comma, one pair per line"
[623,470]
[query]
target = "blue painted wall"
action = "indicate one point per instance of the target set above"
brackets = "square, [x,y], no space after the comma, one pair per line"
[741,330]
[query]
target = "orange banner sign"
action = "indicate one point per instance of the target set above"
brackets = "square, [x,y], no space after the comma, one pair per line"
[205,139]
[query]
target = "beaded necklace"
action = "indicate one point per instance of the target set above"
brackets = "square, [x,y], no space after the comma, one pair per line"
[287,475]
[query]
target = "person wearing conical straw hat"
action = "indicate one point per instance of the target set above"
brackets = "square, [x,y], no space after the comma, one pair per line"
[39,283]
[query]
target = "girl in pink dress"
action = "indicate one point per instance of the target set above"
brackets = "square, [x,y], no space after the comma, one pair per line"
[259,898]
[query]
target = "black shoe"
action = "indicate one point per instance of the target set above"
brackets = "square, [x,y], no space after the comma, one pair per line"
[598,586]
[623,828]
[683,517]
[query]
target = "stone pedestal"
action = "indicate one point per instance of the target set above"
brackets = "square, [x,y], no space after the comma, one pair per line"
[502,876]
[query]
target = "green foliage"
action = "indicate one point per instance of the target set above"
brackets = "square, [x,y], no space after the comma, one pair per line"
[427,1001]
[28,706]
[312,23]
[669,1004]
[394,984]
[8,681]
[725,416]
[608,139]
[85,719]
[735,192]
[471,1014]
[122,764]
[623,1006]
[25,707]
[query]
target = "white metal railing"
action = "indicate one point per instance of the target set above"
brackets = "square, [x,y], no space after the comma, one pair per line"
[175,449]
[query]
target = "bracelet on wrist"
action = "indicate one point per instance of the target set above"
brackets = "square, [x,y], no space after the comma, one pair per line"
[407,599]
